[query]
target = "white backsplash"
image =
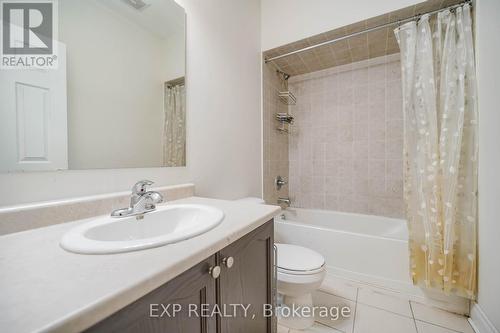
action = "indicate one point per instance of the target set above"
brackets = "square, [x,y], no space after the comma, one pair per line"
[37,215]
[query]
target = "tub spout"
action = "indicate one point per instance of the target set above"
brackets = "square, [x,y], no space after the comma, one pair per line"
[284,202]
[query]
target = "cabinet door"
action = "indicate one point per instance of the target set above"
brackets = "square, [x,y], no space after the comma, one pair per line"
[248,281]
[195,287]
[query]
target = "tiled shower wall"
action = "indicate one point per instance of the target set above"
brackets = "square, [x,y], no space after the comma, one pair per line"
[275,143]
[346,149]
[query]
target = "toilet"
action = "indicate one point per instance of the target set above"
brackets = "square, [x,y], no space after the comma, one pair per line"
[300,272]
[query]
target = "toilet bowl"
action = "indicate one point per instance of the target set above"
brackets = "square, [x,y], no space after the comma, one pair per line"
[300,271]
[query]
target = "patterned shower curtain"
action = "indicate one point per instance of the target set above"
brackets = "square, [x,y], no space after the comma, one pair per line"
[441,150]
[174,126]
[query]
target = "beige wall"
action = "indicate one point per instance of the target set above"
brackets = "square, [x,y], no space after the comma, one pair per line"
[347,146]
[223,110]
[275,150]
[488,71]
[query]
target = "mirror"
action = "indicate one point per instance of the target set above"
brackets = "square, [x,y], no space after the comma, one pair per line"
[116,98]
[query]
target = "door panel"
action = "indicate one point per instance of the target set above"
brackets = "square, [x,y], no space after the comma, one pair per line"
[32,122]
[194,286]
[248,281]
[33,118]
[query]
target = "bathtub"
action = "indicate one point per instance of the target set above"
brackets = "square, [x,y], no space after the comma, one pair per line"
[369,250]
[364,248]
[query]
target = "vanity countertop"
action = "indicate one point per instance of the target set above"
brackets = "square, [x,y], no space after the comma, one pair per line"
[45,288]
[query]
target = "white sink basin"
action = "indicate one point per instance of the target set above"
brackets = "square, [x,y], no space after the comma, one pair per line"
[167,224]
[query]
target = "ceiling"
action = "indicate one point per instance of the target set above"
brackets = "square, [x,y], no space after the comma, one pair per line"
[365,46]
[162,17]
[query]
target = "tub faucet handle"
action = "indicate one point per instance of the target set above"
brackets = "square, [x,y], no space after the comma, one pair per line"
[280,182]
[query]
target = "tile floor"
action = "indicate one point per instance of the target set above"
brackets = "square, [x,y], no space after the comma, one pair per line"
[374,311]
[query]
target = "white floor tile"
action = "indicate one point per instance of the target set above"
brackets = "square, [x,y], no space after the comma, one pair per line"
[342,324]
[340,287]
[283,329]
[317,328]
[423,327]
[441,318]
[385,300]
[372,320]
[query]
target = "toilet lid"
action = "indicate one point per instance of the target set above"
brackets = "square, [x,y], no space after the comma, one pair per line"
[298,258]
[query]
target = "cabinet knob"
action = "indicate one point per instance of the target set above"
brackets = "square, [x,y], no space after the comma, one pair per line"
[228,262]
[214,271]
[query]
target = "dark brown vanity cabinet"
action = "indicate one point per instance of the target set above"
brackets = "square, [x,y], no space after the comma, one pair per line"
[245,277]
[249,281]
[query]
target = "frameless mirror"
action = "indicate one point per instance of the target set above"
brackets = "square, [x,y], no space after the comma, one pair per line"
[116,98]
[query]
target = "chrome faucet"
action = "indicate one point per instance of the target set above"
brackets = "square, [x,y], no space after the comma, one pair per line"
[141,200]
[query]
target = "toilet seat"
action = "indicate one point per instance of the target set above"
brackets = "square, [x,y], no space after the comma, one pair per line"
[298,260]
[301,279]
[292,272]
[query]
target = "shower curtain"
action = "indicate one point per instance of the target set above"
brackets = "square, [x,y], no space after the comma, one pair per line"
[441,150]
[174,126]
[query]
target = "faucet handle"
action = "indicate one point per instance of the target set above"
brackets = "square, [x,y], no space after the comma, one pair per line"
[141,186]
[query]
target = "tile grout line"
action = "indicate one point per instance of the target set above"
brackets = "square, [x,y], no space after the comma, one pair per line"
[411,309]
[355,309]
[438,325]
[423,321]
[332,294]
[413,315]
[343,298]
[333,329]
[382,309]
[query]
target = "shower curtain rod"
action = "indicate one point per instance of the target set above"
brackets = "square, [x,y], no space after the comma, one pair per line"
[378,27]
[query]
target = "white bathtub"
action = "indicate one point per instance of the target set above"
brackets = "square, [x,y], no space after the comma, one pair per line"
[370,250]
[365,248]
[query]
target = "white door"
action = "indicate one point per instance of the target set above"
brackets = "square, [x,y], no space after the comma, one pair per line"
[33,118]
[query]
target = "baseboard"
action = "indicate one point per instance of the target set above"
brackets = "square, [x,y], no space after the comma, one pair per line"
[479,321]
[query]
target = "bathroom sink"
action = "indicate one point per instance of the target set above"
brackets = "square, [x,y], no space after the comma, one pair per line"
[167,224]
